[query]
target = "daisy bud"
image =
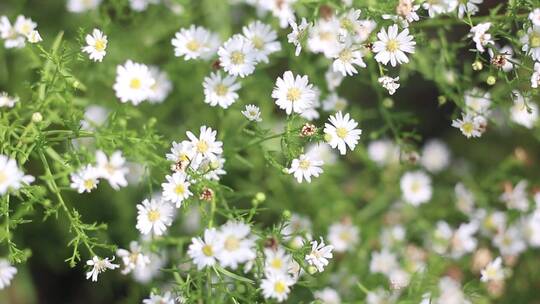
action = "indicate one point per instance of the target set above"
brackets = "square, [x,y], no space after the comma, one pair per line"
[388,103]
[260,197]
[76,84]
[308,130]
[312,270]
[285,171]
[491,80]
[442,100]
[216,65]
[327,137]
[477,65]
[499,61]
[286,214]
[481,258]
[37,117]
[207,194]
[411,157]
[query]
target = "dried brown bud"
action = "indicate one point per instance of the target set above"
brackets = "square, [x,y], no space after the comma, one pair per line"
[326,12]
[216,65]
[207,194]
[271,243]
[498,61]
[308,130]
[481,258]
[178,166]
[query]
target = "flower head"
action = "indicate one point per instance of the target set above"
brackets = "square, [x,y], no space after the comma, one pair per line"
[341,132]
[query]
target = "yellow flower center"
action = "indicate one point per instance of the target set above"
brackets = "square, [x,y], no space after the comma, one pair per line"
[467,127]
[153,215]
[293,94]
[193,45]
[100,45]
[326,36]
[304,164]
[535,40]
[232,243]
[279,287]
[202,146]
[341,132]
[276,263]
[415,186]
[183,157]
[237,57]
[135,83]
[207,250]
[392,45]
[345,236]
[345,55]
[258,42]
[179,189]
[3,177]
[221,89]
[89,184]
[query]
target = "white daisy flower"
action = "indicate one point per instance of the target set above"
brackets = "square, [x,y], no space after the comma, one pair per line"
[24,26]
[343,236]
[296,34]
[405,13]
[493,271]
[383,152]
[80,6]
[237,56]
[7,272]
[346,58]
[7,101]
[437,7]
[334,103]
[534,16]
[252,113]
[133,82]
[181,153]
[477,101]
[383,262]
[304,167]
[535,77]
[281,9]
[463,240]
[237,245]
[176,189]
[85,180]
[392,46]
[219,90]
[204,251]
[416,187]
[333,79]
[341,132]
[263,38]
[323,152]
[324,37]
[293,94]
[166,298]
[481,37]
[194,43]
[212,169]
[141,5]
[516,197]
[34,37]
[94,116]
[531,42]
[469,125]
[319,255]
[98,266]
[327,296]
[524,112]
[276,286]
[469,7]
[435,156]
[132,258]
[389,83]
[349,22]
[162,85]
[510,241]
[12,39]
[205,146]
[277,260]
[96,45]
[154,216]
[113,169]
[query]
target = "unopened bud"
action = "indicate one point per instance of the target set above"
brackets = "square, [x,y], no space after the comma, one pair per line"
[308,130]
[491,80]
[207,194]
[388,103]
[37,117]
[477,65]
